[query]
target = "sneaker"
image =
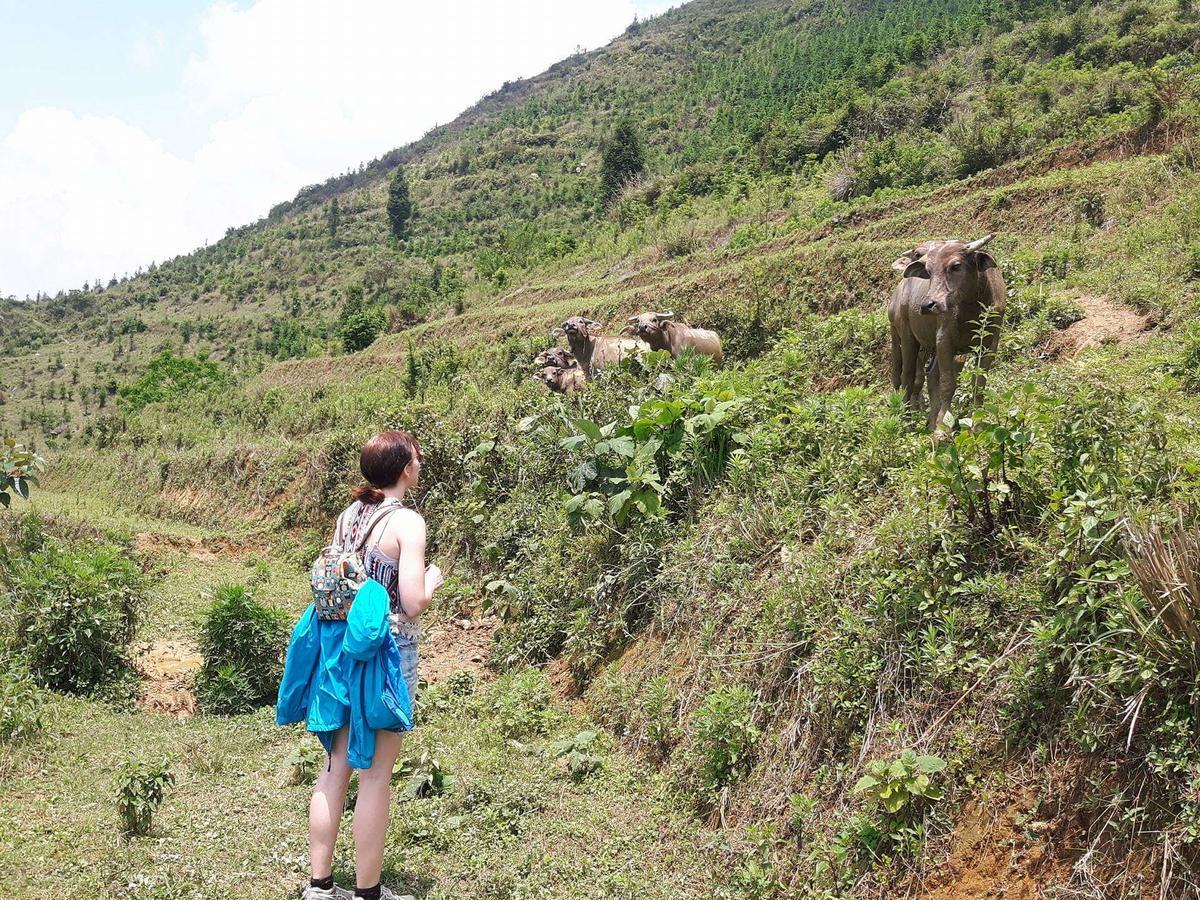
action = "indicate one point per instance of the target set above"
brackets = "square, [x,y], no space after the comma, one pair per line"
[335,893]
[389,894]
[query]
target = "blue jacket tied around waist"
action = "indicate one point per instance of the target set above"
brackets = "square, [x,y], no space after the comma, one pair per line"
[346,673]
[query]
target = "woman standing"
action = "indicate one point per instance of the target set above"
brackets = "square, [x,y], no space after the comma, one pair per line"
[395,557]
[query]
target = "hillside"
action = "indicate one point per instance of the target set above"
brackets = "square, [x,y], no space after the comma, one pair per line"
[788,584]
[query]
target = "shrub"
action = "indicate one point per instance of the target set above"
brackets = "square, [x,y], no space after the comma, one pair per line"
[724,738]
[142,786]
[578,754]
[303,763]
[521,704]
[672,444]
[243,643]
[170,378]
[900,785]
[904,788]
[427,777]
[21,702]
[623,159]
[359,330]
[73,613]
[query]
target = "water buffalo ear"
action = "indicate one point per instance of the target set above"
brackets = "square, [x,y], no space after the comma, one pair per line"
[916,269]
[984,260]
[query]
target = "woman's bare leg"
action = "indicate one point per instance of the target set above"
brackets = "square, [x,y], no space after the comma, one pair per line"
[325,808]
[372,809]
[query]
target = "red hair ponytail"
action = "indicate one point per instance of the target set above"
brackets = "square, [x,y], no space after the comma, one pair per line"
[367,494]
[382,462]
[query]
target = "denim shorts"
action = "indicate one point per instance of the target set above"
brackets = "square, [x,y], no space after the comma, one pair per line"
[407,635]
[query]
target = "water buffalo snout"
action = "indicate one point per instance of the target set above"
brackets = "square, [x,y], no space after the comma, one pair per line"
[928,306]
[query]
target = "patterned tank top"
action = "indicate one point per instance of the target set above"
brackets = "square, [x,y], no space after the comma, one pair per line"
[381,567]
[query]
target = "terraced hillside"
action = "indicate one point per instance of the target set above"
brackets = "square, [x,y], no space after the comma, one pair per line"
[765,582]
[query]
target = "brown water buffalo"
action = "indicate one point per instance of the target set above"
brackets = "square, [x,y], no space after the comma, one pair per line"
[947,289]
[661,333]
[595,350]
[555,357]
[899,264]
[561,379]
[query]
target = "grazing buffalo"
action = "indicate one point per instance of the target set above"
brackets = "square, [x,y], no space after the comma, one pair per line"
[561,379]
[595,350]
[555,357]
[948,290]
[899,264]
[659,331]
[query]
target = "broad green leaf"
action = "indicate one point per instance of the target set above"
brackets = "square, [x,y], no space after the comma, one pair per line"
[588,428]
[617,501]
[864,784]
[930,763]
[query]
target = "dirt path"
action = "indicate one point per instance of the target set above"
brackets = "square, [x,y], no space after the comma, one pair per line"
[168,668]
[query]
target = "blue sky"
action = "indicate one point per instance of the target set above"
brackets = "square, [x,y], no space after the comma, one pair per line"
[121,59]
[136,130]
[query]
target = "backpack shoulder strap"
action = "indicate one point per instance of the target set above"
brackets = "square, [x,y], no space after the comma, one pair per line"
[343,525]
[383,512]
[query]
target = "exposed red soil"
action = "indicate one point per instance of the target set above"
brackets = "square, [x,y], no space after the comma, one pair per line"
[458,645]
[1103,323]
[168,668]
[203,549]
[1032,840]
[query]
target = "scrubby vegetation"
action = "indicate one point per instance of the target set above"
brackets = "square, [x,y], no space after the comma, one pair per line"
[243,645]
[70,610]
[764,579]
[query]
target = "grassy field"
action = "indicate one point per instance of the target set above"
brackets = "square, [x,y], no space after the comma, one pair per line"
[234,825]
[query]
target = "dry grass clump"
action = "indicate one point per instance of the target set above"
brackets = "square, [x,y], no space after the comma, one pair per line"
[1167,569]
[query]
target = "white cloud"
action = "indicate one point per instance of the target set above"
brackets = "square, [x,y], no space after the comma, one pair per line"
[148,49]
[295,91]
[83,197]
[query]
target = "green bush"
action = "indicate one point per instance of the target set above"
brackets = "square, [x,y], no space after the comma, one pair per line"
[902,784]
[723,741]
[21,702]
[359,330]
[18,470]
[72,613]
[672,444]
[521,704]
[141,788]
[243,643]
[579,754]
[171,378]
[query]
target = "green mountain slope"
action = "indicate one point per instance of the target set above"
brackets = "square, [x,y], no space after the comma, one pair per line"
[788,582]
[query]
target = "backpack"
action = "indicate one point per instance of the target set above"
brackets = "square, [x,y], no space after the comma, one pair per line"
[339,571]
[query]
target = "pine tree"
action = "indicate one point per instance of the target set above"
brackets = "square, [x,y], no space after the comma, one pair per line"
[399,205]
[623,160]
[335,219]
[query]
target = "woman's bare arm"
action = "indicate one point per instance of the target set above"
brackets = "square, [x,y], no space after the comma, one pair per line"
[415,586]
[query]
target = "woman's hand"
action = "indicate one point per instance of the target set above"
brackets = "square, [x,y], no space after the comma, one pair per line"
[433,579]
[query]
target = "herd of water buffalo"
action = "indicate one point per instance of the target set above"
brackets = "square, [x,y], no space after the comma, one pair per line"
[949,303]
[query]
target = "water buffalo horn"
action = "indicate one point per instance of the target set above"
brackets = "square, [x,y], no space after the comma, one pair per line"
[975,245]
